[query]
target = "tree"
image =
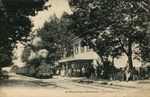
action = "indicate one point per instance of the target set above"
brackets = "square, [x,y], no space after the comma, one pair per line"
[92,20]
[15,24]
[56,38]
[145,48]
[111,27]
[131,26]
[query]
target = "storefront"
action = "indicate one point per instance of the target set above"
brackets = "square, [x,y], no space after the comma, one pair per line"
[76,63]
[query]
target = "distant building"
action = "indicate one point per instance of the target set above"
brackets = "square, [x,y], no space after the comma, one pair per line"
[78,57]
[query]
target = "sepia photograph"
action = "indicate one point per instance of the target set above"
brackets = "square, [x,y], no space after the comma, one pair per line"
[74,48]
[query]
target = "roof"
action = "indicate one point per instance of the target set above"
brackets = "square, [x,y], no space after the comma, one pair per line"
[82,56]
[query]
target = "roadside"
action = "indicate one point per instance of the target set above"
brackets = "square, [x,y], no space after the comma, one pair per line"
[123,84]
[82,80]
[59,86]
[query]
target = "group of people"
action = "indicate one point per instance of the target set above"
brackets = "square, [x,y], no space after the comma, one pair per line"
[132,73]
[88,72]
[110,72]
[91,72]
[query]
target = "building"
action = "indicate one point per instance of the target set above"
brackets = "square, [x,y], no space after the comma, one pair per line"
[79,57]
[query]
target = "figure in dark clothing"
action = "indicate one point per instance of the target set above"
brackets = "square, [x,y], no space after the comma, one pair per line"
[92,70]
[98,71]
[102,74]
[87,73]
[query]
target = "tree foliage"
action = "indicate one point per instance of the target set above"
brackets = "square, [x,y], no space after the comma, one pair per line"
[15,24]
[145,47]
[111,27]
[56,38]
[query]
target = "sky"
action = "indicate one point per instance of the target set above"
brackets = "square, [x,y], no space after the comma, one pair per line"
[58,7]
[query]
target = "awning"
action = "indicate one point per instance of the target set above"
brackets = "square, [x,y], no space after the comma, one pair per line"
[82,56]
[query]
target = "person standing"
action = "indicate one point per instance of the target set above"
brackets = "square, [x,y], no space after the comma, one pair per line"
[70,72]
[88,73]
[127,73]
[83,71]
[63,71]
[102,74]
[92,72]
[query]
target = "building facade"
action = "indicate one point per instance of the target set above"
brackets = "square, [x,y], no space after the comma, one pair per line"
[79,59]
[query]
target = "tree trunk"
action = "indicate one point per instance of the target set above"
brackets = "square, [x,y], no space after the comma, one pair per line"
[130,61]
[113,58]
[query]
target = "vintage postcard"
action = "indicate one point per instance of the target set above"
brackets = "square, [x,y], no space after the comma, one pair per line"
[74,48]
